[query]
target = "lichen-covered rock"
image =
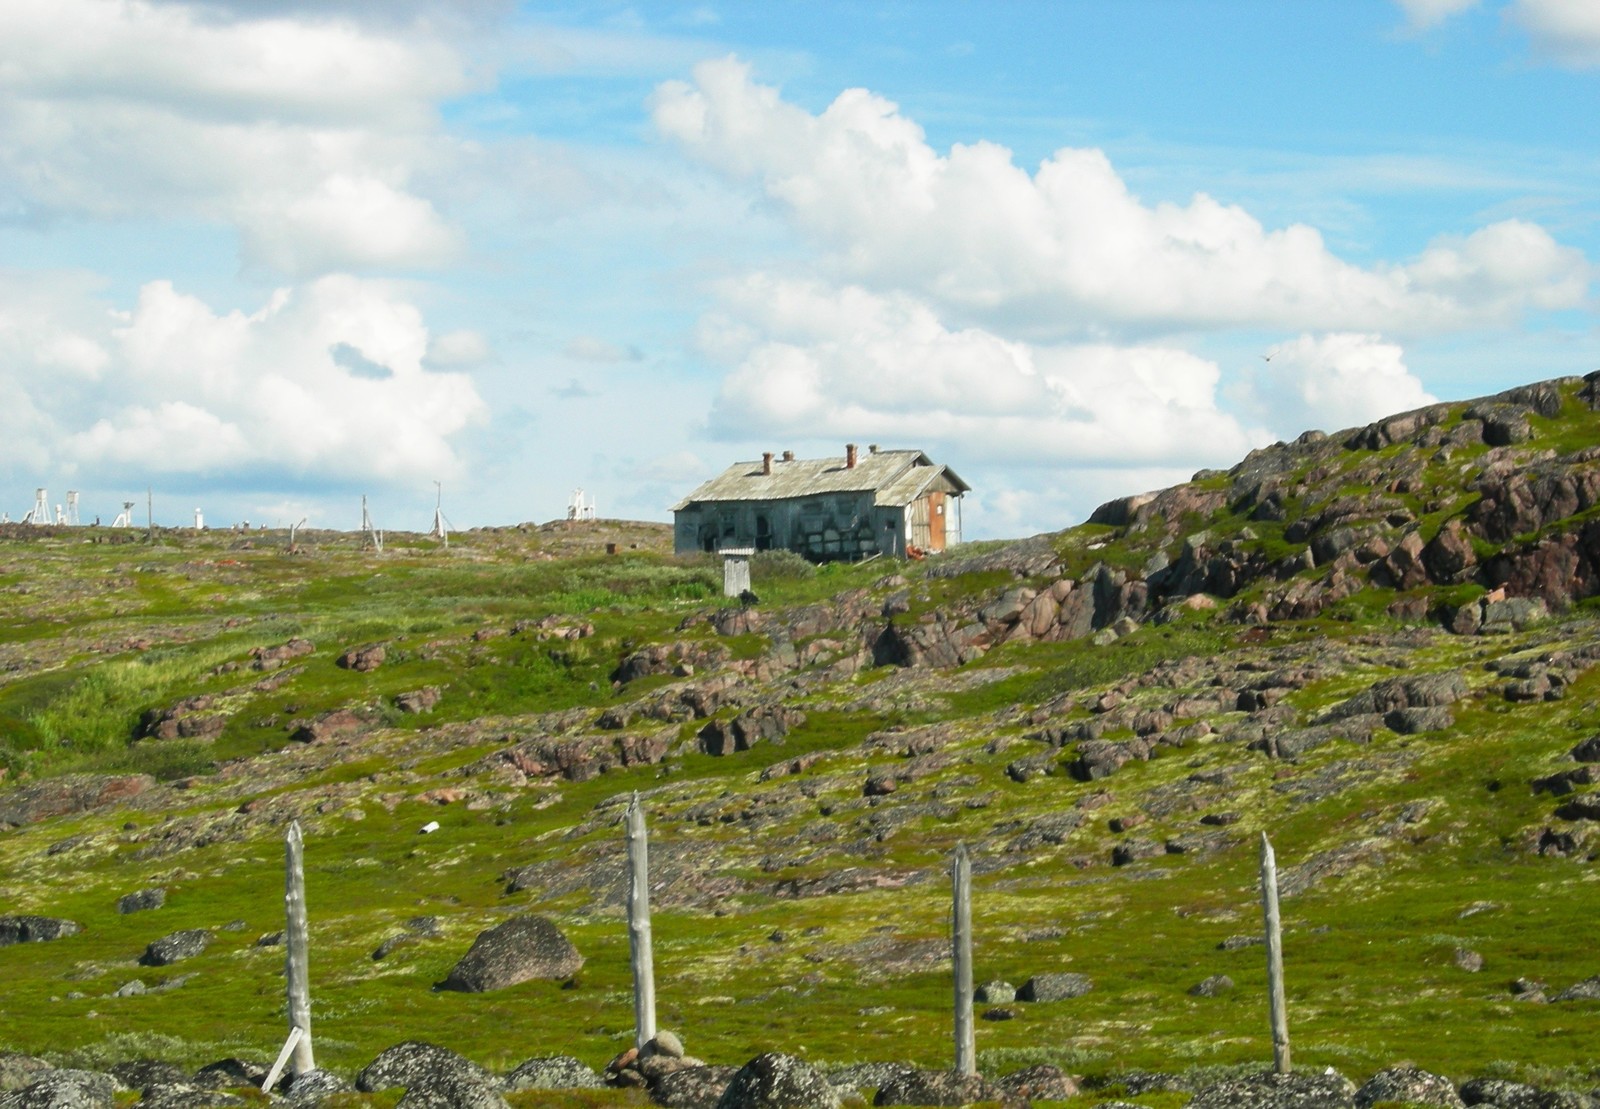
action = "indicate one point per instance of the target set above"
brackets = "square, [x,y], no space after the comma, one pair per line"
[523,948]
[938,1088]
[1054,987]
[175,947]
[142,901]
[693,1087]
[1329,1090]
[17,1070]
[431,1076]
[778,1081]
[64,1089]
[315,1086]
[35,929]
[1410,1085]
[1039,1083]
[555,1072]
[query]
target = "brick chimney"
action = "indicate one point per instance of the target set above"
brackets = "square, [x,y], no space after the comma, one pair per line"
[849,456]
[766,462]
[788,456]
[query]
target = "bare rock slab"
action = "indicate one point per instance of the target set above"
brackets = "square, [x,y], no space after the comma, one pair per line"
[175,947]
[523,948]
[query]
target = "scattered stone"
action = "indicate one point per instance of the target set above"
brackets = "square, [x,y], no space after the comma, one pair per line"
[363,659]
[418,700]
[431,1074]
[1213,986]
[666,1043]
[62,1088]
[995,993]
[1054,987]
[1587,990]
[312,1087]
[1299,1090]
[141,901]
[1410,1085]
[555,1072]
[35,929]
[778,1081]
[691,1087]
[523,948]
[937,1088]
[1042,1082]
[1469,961]
[131,989]
[18,1071]
[175,947]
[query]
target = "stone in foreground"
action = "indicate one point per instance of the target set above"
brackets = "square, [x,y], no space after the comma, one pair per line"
[522,948]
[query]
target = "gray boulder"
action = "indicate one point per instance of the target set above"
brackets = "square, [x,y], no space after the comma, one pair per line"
[995,993]
[555,1072]
[17,1070]
[35,929]
[416,1064]
[856,1077]
[141,901]
[1054,987]
[316,1086]
[64,1089]
[1039,1083]
[175,947]
[183,1095]
[778,1081]
[1213,986]
[1278,1091]
[693,1087]
[1411,1085]
[1502,1093]
[1587,990]
[937,1088]
[522,948]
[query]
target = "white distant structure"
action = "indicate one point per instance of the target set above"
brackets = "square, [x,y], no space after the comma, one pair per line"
[199,520]
[70,517]
[579,508]
[40,513]
[126,519]
[369,533]
[441,525]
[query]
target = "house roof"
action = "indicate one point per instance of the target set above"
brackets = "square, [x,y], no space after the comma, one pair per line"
[893,477]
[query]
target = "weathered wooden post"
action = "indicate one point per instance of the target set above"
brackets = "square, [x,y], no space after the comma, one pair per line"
[961,950]
[644,975]
[1274,930]
[296,965]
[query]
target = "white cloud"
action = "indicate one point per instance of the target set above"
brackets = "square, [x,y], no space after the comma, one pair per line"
[174,387]
[1330,382]
[848,363]
[1423,14]
[1069,250]
[305,134]
[1566,30]
[458,348]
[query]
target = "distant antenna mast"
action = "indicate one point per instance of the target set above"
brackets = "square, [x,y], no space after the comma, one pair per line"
[578,508]
[294,528]
[369,534]
[72,508]
[126,519]
[441,525]
[41,509]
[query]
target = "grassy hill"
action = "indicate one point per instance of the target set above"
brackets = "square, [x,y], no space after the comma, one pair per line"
[1378,647]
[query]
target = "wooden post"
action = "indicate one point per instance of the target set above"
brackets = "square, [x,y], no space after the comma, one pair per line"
[961,951]
[644,977]
[1274,930]
[297,944]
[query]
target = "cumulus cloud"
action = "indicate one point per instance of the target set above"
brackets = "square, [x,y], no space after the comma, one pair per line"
[305,134]
[1566,30]
[842,363]
[1423,14]
[587,348]
[323,383]
[1069,250]
[1330,382]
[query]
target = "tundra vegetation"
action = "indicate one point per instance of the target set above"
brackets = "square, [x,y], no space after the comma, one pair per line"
[1378,646]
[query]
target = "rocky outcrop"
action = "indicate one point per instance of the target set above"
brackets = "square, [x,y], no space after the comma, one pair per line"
[69,794]
[35,929]
[578,758]
[523,948]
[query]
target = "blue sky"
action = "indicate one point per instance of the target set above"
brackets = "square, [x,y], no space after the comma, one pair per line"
[264,258]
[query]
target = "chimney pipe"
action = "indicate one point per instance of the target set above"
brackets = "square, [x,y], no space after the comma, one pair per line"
[788,456]
[849,456]
[872,448]
[766,462]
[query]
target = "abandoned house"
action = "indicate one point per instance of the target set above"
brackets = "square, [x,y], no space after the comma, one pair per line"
[890,502]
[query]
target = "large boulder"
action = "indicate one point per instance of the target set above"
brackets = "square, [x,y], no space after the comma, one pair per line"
[522,948]
[18,1071]
[64,1089]
[315,1086]
[175,947]
[937,1088]
[35,929]
[778,1081]
[1054,987]
[1329,1090]
[1502,1093]
[142,900]
[1410,1085]
[431,1076]
[693,1087]
[556,1072]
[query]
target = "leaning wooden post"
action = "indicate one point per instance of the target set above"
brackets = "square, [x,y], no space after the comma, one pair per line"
[961,950]
[1274,930]
[644,975]
[297,1047]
